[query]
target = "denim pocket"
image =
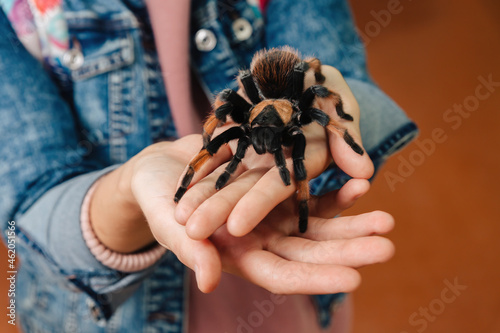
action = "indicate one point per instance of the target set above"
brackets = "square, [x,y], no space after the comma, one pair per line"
[101,58]
[98,45]
[107,83]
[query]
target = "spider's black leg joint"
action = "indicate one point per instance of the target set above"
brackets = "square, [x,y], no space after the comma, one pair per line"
[179,193]
[279,159]
[301,178]
[303,215]
[231,167]
[298,79]
[188,177]
[250,87]
[315,64]
[320,78]
[350,141]
[223,138]
[241,108]
[318,115]
[222,111]
[340,111]
[307,98]
[299,147]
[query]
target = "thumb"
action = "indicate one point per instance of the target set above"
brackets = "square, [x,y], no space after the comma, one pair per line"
[351,162]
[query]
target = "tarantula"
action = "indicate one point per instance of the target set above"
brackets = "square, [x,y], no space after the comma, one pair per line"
[279,108]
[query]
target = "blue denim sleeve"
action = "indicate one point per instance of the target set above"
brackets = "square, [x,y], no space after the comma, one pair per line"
[43,173]
[325,29]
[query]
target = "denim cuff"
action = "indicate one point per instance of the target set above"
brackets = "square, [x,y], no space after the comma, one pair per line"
[385,129]
[51,229]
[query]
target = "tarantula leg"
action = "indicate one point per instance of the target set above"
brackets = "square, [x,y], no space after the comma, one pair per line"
[312,92]
[350,141]
[300,172]
[249,86]
[313,114]
[298,79]
[204,155]
[333,126]
[315,64]
[194,166]
[241,108]
[235,161]
[299,72]
[227,102]
[303,198]
[209,127]
[279,159]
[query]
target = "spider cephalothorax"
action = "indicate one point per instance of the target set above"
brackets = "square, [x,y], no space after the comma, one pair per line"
[279,106]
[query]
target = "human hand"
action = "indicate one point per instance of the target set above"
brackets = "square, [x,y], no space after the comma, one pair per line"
[320,261]
[272,256]
[251,207]
[133,206]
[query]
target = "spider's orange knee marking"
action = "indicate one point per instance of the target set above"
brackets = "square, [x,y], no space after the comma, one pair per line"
[334,126]
[303,190]
[210,125]
[199,160]
[332,98]
[315,64]
[217,103]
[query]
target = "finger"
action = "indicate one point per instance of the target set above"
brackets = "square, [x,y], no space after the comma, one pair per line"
[267,193]
[333,203]
[355,252]
[335,82]
[352,163]
[270,190]
[373,223]
[281,276]
[199,193]
[355,165]
[201,256]
[214,211]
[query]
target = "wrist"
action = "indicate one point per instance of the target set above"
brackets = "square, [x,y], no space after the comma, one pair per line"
[115,215]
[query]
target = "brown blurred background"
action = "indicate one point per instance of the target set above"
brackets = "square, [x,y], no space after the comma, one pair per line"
[430,56]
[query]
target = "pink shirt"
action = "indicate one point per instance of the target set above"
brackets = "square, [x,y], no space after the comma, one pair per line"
[239,306]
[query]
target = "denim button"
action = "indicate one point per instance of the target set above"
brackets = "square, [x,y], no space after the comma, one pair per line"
[205,40]
[242,29]
[73,58]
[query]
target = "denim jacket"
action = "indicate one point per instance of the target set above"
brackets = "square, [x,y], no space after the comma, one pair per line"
[62,128]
